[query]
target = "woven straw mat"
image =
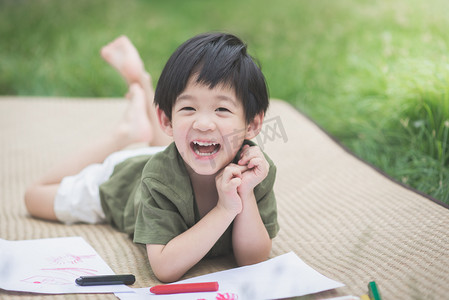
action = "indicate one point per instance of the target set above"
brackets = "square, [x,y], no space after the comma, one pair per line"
[340,215]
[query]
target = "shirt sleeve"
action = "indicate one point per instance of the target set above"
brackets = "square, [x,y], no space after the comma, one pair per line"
[266,201]
[158,218]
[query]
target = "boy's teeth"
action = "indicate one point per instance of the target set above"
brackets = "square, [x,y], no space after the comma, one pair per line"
[204,143]
[205,154]
[205,148]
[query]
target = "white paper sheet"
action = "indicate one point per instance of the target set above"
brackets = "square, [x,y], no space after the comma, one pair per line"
[280,277]
[51,266]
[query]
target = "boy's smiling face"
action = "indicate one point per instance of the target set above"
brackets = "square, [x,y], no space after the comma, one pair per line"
[208,126]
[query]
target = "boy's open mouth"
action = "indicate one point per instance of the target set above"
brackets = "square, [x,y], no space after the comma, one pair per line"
[204,148]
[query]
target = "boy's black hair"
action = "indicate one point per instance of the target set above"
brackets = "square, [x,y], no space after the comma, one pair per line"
[215,58]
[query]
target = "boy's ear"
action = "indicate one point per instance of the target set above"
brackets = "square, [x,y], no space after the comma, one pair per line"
[164,121]
[255,126]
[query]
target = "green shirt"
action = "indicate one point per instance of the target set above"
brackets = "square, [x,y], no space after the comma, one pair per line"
[151,198]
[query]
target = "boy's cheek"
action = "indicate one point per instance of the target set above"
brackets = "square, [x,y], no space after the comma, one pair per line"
[232,142]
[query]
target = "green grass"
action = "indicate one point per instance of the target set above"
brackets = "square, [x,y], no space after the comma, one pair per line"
[375,74]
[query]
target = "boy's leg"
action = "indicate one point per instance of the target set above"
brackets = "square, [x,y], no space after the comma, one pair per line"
[39,200]
[123,56]
[134,127]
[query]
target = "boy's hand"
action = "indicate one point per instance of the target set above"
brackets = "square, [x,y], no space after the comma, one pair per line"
[257,169]
[227,182]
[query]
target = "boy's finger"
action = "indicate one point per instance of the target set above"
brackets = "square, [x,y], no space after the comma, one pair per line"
[249,154]
[254,162]
[234,171]
[230,171]
[242,168]
[236,181]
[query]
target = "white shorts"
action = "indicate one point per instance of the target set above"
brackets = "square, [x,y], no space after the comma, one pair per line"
[78,197]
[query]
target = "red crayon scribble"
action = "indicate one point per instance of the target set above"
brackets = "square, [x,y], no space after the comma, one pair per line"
[227,296]
[47,280]
[59,276]
[69,259]
[74,271]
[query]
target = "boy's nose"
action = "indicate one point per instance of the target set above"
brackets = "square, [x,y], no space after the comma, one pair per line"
[204,123]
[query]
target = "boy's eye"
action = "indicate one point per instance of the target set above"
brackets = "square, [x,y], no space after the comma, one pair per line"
[188,108]
[222,109]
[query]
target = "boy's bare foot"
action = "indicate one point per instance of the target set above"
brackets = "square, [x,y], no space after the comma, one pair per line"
[123,56]
[135,127]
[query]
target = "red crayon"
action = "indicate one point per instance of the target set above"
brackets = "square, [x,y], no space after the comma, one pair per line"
[184,288]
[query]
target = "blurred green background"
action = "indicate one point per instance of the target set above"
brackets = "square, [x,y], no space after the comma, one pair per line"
[375,74]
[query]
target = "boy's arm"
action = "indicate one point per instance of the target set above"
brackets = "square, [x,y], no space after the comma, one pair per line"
[169,262]
[250,239]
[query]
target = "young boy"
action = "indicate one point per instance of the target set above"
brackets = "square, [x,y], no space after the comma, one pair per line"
[209,192]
